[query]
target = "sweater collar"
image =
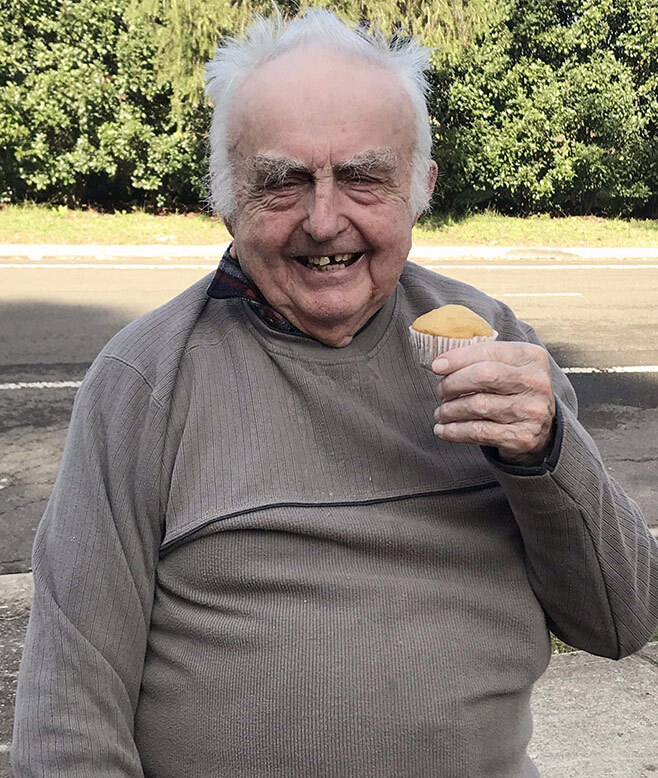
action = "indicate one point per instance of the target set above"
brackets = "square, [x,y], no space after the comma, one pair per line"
[230,281]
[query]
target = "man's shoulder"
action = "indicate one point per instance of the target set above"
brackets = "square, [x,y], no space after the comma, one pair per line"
[153,344]
[425,289]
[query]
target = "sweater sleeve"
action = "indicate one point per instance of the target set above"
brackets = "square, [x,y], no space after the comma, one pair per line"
[591,559]
[93,559]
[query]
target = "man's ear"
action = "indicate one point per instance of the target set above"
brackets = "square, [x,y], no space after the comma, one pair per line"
[229,227]
[431,181]
[431,176]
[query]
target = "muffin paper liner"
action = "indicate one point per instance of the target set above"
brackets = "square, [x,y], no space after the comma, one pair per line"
[429,347]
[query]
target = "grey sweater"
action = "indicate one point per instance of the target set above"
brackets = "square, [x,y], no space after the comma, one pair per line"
[259,561]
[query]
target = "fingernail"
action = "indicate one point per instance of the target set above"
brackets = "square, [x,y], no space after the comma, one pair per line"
[437,414]
[438,429]
[439,365]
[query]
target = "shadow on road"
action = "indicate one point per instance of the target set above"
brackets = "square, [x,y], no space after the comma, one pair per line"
[39,340]
[603,389]
[619,412]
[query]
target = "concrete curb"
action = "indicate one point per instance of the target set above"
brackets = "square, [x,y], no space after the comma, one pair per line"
[37,251]
[16,590]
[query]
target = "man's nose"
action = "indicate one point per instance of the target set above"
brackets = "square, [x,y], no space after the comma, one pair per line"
[324,218]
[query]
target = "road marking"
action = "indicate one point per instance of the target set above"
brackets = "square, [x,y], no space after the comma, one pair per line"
[625,369]
[466,266]
[89,266]
[35,252]
[431,266]
[76,384]
[455,263]
[538,294]
[42,385]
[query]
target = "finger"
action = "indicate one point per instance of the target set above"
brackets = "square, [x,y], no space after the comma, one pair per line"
[494,378]
[502,409]
[508,352]
[514,439]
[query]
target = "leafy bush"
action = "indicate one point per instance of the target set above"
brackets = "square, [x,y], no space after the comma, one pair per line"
[102,103]
[554,108]
[538,105]
[82,117]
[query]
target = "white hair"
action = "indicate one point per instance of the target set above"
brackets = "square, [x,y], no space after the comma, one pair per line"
[267,39]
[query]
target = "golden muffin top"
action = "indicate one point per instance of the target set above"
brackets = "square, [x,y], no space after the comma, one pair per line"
[452,321]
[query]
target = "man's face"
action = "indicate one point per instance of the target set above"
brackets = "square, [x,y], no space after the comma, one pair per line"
[321,150]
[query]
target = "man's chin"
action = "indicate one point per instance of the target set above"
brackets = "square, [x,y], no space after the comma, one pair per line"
[332,331]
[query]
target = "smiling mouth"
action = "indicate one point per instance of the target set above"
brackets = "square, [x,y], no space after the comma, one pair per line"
[330,261]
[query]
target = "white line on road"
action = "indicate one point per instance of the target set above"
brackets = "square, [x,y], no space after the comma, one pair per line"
[89,266]
[539,294]
[430,266]
[76,384]
[628,369]
[467,266]
[35,252]
[42,385]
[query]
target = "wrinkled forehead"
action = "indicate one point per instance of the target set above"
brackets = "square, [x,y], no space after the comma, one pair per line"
[313,103]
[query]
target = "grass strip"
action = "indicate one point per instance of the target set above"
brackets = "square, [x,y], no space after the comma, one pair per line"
[30,223]
[559,647]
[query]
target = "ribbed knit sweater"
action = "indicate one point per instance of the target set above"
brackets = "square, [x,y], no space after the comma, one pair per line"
[259,561]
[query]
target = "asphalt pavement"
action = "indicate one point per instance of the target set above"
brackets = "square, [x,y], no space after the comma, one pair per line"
[597,312]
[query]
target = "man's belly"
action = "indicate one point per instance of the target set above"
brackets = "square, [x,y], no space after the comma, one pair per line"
[343,641]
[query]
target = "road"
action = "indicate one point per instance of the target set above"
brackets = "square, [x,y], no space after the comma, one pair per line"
[56,315]
[591,314]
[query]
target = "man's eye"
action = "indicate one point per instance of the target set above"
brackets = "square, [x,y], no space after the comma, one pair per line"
[360,180]
[286,184]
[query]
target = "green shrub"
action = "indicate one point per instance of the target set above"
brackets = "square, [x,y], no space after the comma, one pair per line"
[82,116]
[553,109]
[538,106]
[102,102]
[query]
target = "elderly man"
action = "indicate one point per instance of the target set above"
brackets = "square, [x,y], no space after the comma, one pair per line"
[261,557]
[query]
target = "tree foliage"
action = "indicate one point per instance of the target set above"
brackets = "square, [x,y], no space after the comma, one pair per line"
[554,108]
[538,105]
[83,119]
[188,31]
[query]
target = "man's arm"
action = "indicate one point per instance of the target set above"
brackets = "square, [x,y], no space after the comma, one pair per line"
[591,559]
[94,558]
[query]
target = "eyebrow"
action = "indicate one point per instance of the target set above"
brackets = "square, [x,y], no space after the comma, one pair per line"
[380,161]
[267,170]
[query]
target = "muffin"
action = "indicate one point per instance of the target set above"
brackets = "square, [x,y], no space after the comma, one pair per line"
[445,328]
